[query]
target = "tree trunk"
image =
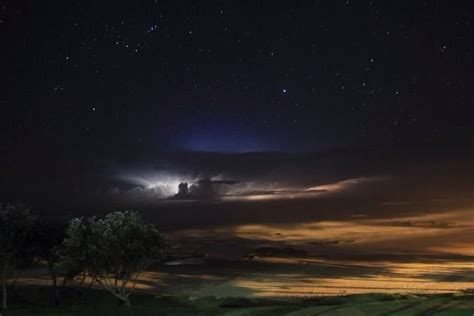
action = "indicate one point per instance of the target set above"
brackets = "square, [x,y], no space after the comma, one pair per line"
[125,301]
[55,284]
[56,290]
[116,291]
[4,291]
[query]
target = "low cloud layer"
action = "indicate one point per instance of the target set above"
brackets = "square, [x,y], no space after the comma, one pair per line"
[134,178]
[252,176]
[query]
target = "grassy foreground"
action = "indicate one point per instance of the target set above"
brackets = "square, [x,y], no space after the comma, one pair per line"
[37,301]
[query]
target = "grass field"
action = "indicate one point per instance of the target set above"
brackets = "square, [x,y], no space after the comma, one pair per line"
[37,301]
[417,265]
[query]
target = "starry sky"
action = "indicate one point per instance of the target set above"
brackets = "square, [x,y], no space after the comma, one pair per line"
[87,80]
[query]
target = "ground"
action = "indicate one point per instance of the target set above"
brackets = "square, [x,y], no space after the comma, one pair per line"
[37,301]
[418,262]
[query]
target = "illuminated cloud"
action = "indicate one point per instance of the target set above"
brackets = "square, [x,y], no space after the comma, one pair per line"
[165,185]
[231,177]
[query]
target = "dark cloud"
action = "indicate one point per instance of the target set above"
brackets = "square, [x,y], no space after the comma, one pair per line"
[145,176]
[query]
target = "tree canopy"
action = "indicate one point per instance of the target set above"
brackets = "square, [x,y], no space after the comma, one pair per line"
[16,247]
[113,250]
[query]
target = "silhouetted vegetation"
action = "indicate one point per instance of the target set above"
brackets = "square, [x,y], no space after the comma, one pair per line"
[16,227]
[111,251]
[49,235]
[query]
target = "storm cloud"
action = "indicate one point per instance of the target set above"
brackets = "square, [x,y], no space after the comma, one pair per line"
[129,178]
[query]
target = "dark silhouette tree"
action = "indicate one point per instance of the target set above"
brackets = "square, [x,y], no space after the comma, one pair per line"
[114,250]
[16,249]
[48,236]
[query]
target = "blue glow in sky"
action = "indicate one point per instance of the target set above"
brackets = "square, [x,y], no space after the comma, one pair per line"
[224,139]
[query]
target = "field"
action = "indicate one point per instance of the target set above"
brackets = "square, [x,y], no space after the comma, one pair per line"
[425,253]
[95,302]
[416,264]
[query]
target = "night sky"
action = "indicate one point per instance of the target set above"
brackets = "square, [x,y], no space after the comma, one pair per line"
[89,86]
